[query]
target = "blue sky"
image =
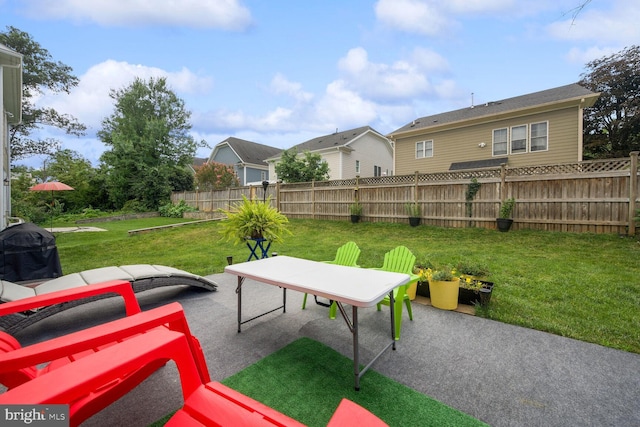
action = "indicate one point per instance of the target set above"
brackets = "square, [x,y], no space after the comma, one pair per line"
[281,72]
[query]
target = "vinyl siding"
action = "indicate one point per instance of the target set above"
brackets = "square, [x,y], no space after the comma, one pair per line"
[462,144]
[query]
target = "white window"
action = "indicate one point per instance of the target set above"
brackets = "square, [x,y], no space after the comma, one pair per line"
[424,149]
[357,166]
[539,137]
[519,139]
[500,142]
[377,171]
[263,176]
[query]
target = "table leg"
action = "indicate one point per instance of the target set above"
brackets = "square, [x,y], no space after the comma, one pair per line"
[353,328]
[393,318]
[356,349]
[239,292]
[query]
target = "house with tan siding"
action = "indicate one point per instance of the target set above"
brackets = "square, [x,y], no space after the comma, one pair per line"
[356,152]
[535,129]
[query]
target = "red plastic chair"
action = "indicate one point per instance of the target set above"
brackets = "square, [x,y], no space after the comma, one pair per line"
[20,365]
[211,404]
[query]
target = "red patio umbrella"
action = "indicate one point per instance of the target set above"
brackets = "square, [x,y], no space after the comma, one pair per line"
[51,186]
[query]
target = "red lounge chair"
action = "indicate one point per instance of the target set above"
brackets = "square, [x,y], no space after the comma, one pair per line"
[19,365]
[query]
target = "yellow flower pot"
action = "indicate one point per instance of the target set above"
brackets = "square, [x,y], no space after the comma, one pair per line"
[411,290]
[444,295]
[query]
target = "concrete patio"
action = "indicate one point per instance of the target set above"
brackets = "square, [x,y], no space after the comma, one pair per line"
[502,374]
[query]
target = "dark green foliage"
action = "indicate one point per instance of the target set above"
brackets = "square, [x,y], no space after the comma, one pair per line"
[150,144]
[40,72]
[175,211]
[612,125]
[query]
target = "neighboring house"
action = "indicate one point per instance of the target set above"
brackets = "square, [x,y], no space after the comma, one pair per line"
[10,114]
[247,158]
[538,128]
[356,152]
[197,162]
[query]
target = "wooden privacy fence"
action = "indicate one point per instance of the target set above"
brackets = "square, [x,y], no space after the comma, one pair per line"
[599,196]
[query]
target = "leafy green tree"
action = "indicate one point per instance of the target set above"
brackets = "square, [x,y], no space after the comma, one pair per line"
[612,125]
[71,168]
[149,140]
[306,168]
[25,204]
[182,180]
[40,73]
[216,176]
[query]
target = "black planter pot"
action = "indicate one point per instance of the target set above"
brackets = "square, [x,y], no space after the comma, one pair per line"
[423,289]
[504,224]
[480,297]
[414,221]
[355,218]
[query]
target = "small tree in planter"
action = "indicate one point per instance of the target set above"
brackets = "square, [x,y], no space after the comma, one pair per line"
[413,210]
[504,220]
[355,209]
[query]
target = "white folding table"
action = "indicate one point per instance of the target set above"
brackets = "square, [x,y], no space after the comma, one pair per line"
[358,287]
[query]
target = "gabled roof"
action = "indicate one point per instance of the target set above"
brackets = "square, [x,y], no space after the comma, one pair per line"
[250,152]
[571,92]
[338,139]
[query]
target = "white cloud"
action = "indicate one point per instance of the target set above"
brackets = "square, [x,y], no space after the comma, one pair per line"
[437,17]
[342,108]
[583,56]
[413,16]
[618,24]
[222,14]
[89,102]
[280,85]
[402,79]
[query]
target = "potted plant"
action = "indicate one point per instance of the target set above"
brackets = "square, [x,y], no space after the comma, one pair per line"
[355,209]
[253,220]
[504,220]
[474,287]
[413,210]
[444,287]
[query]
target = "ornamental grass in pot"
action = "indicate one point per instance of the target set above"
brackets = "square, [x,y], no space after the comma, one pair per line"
[251,219]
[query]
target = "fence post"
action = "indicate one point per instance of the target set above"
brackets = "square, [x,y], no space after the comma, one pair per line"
[633,192]
[313,199]
[503,182]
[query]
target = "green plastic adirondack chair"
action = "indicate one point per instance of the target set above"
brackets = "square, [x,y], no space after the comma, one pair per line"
[399,260]
[346,254]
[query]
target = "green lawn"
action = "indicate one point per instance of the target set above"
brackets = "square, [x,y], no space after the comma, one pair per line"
[583,286]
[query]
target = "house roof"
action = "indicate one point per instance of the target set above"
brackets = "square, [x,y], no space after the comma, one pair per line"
[546,97]
[11,63]
[250,152]
[337,139]
[199,161]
